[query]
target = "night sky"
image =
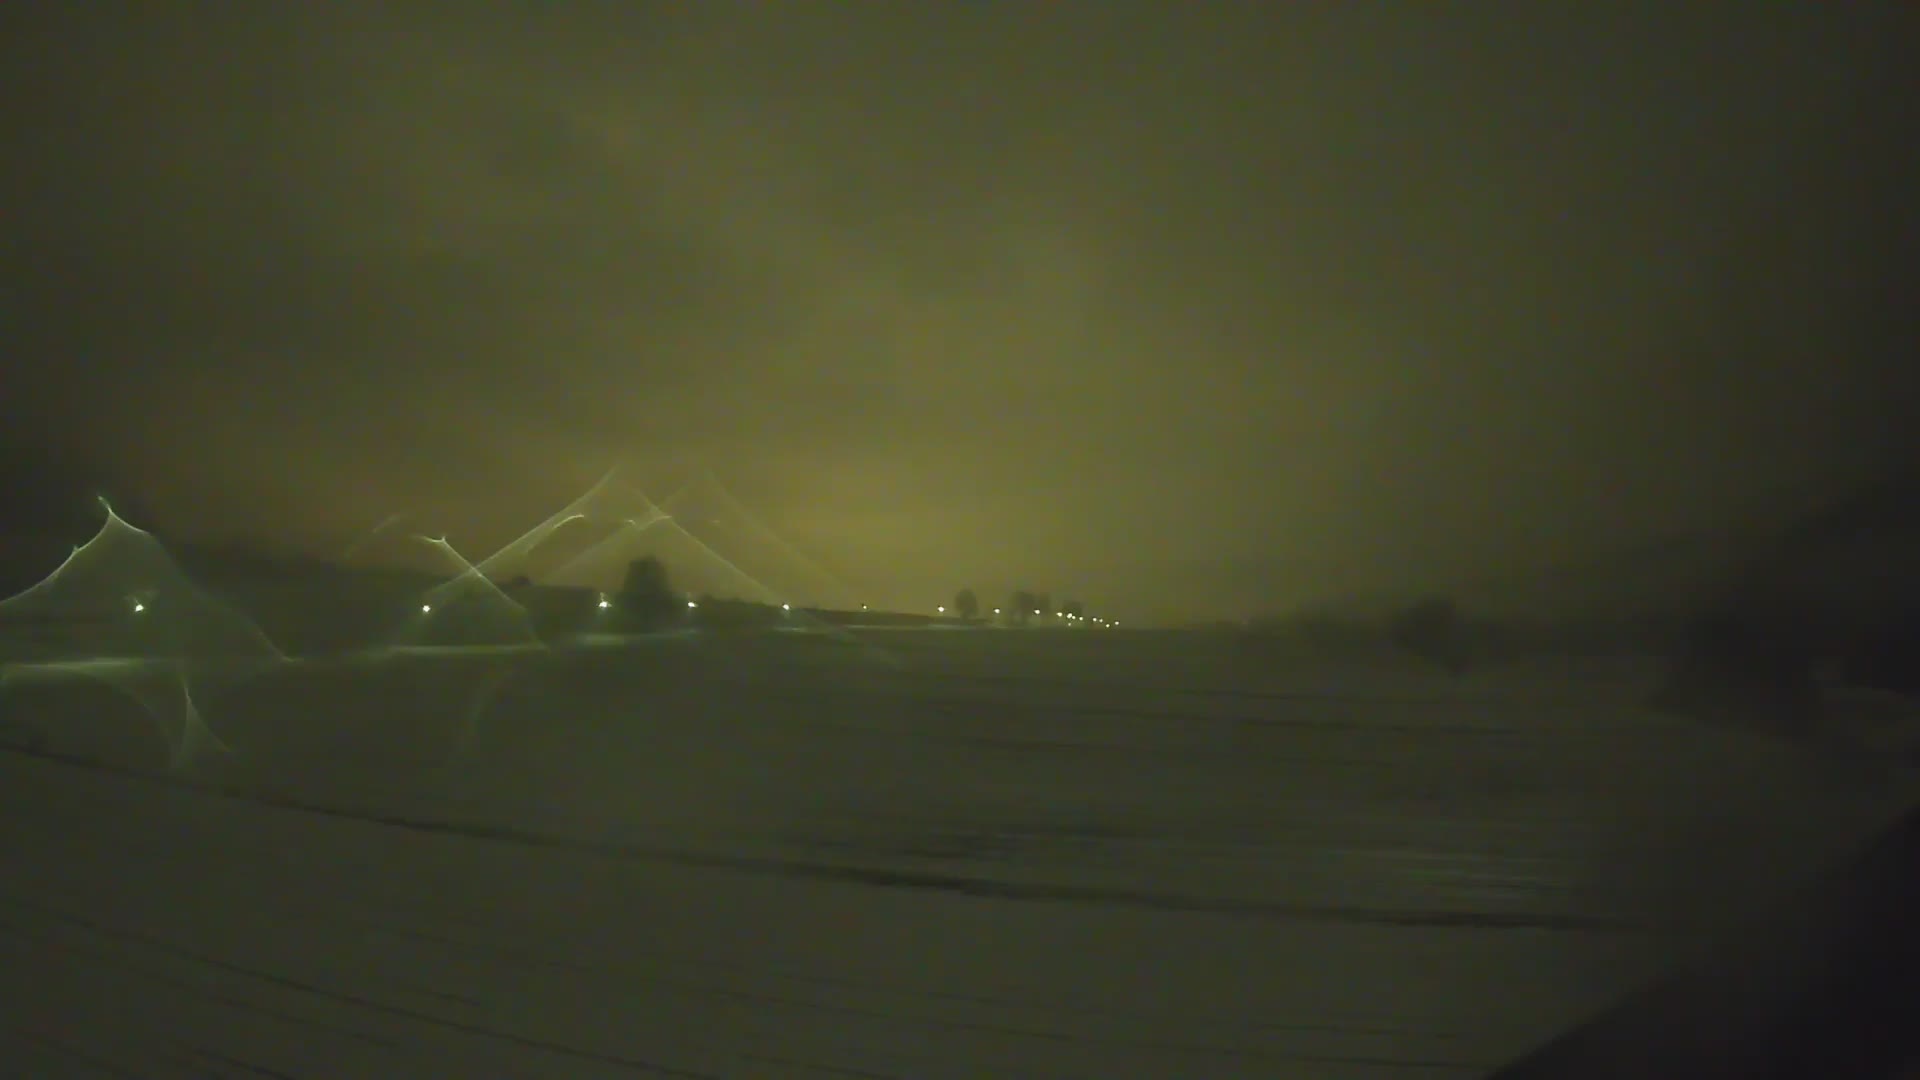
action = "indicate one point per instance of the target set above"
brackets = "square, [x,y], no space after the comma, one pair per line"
[1183,309]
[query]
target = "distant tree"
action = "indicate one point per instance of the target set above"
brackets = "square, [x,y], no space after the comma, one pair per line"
[966,605]
[1834,596]
[646,599]
[1749,666]
[1021,606]
[1432,630]
[646,576]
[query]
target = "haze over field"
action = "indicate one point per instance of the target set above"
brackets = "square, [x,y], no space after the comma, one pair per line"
[1209,312]
[966,540]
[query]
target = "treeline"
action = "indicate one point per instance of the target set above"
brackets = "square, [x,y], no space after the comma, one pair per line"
[647,601]
[1440,631]
[1023,607]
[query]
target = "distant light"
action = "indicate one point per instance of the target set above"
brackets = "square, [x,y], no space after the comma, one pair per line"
[692,604]
[425,608]
[138,607]
[786,607]
[996,611]
[863,607]
[605,603]
[942,609]
[1036,611]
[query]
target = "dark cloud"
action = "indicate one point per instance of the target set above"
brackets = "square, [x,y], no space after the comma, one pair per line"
[1206,308]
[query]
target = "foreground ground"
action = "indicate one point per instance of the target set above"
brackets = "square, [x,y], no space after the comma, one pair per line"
[931,855]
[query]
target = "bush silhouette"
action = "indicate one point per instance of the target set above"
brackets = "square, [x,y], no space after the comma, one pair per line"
[1747,668]
[1434,631]
[646,601]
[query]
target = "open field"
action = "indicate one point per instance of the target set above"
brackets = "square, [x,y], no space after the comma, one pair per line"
[904,855]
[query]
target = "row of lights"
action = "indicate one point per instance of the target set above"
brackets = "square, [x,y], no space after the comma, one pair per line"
[427,609]
[942,609]
[1095,619]
[606,603]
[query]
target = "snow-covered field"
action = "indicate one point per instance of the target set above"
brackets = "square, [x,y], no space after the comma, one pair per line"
[1092,854]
